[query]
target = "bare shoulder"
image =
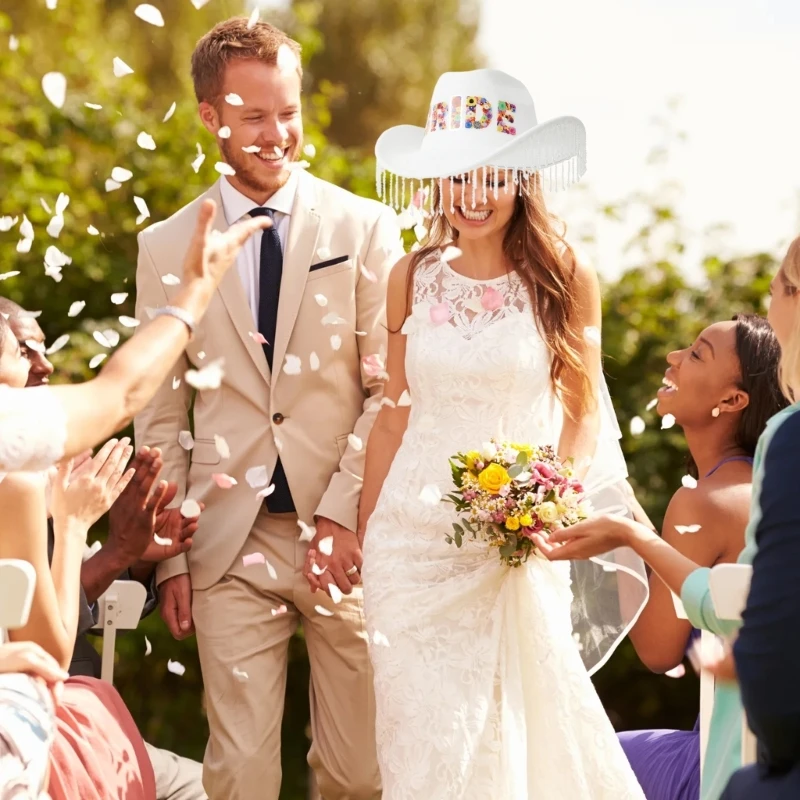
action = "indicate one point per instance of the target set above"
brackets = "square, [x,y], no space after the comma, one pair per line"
[399,293]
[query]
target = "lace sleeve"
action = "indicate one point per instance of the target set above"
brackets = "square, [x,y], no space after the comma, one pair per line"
[33,429]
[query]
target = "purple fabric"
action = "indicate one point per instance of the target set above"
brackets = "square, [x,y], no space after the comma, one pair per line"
[666,763]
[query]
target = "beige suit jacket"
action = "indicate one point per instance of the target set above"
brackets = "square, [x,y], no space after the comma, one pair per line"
[308,416]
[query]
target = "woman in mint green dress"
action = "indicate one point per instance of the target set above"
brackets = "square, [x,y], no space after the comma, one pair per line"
[681,574]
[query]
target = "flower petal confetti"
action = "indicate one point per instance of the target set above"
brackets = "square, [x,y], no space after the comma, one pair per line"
[144,211]
[667,421]
[224,169]
[323,253]
[176,382]
[112,185]
[120,174]
[491,299]
[190,508]
[688,482]
[97,360]
[637,426]
[420,231]
[322,611]
[93,106]
[54,86]
[265,492]
[309,150]
[373,365]
[121,69]
[405,399]
[148,648]
[430,495]
[313,362]
[451,253]
[224,132]
[336,341]
[170,112]
[233,99]
[76,308]
[333,319]
[279,610]
[118,298]
[258,337]
[223,481]
[13,43]
[321,300]
[325,545]
[335,593]
[58,344]
[676,672]
[100,338]
[286,60]
[198,162]
[7,223]
[222,446]
[92,231]
[271,570]
[652,404]
[293,365]
[440,313]
[175,667]
[257,476]
[149,13]
[128,322]
[146,141]
[6,275]
[307,532]
[170,280]
[209,377]
[253,559]
[592,335]
[186,440]
[251,23]
[240,676]
[688,528]
[355,442]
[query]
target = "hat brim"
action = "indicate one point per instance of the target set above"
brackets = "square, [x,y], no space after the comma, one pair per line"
[399,151]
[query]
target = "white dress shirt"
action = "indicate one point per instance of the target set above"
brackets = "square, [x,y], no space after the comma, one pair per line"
[235,206]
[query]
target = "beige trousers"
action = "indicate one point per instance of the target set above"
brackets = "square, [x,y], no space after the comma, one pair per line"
[241,628]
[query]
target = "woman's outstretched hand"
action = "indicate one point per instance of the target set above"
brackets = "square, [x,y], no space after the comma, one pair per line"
[589,538]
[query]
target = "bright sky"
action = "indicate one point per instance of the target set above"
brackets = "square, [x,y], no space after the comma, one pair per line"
[615,64]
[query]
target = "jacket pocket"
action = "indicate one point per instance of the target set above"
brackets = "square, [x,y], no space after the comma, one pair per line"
[205,452]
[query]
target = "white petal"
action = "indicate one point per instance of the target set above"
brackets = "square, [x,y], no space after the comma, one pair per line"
[7,223]
[420,231]
[176,382]
[385,401]
[451,253]
[307,532]
[317,570]
[58,344]
[51,4]
[667,421]
[405,399]
[222,446]
[209,377]
[53,257]
[25,228]
[321,300]
[355,442]
[336,341]
[13,43]
[240,676]
[637,426]
[97,360]
[198,162]
[141,206]
[54,86]
[251,23]
[93,106]
[76,308]
[322,611]
[54,226]
[279,610]
[120,174]
[121,68]
[111,336]
[32,344]
[271,570]
[148,648]
[676,672]
[186,440]
[333,319]
[92,231]
[313,362]
[170,280]
[149,14]
[101,339]
[224,169]
[286,60]
[190,508]
[431,495]
[309,150]
[265,492]
[118,298]
[176,667]
[61,203]
[170,112]
[325,545]
[6,275]
[323,253]
[224,132]
[335,593]
[592,335]
[688,528]
[24,245]
[257,476]
[380,639]
[234,99]
[146,141]
[112,185]
[689,482]
[293,365]
[652,404]
[129,322]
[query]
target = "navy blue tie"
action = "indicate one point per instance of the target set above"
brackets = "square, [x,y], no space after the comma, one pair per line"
[269,292]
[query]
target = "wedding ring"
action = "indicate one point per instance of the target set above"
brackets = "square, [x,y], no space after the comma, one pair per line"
[351,571]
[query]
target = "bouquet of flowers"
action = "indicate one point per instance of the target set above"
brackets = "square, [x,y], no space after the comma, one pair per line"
[506,492]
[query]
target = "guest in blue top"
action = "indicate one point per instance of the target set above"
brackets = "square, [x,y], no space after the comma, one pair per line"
[767,650]
[683,575]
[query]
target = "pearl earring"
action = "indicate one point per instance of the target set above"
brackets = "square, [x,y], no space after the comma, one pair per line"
[715,413]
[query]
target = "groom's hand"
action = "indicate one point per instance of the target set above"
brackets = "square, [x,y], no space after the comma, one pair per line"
[345,555]
[175,601]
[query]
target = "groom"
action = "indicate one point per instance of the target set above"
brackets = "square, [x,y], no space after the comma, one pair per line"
[278,447]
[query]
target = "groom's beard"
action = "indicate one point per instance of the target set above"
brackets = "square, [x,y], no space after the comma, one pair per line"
[250,174]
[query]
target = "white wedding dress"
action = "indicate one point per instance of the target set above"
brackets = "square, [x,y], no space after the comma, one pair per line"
[481,688]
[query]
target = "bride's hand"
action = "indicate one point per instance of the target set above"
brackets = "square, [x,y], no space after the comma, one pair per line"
[589,538]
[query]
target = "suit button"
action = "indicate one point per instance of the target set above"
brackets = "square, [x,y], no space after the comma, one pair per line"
[277,418]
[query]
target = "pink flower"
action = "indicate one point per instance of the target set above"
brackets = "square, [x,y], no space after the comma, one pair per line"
[491,299]
[440,313]
[510,503]
[499,517]
[373,365]
[470,496]
[544,470]
[504,490]
[420,196]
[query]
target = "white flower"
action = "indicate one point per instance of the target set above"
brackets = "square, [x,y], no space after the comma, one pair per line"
[489,450]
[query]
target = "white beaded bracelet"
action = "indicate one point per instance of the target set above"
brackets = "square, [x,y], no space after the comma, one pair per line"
[179,313]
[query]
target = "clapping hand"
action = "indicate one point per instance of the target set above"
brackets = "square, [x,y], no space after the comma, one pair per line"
[342,568]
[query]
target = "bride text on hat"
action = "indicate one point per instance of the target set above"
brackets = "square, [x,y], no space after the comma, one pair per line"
[477,112]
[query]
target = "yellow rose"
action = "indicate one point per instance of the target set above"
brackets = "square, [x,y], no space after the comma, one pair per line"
[493,478]
[512,524]
[547,512]
[561,508]
[472,457]
[526,520]
[523,448]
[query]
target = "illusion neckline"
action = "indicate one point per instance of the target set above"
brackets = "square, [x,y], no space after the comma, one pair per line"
[508,277]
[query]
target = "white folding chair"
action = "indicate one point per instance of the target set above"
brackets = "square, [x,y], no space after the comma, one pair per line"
[17,582]
[730,585]
[708,645]
[120,608]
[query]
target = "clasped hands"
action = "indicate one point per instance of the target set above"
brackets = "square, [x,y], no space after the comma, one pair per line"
[334,558]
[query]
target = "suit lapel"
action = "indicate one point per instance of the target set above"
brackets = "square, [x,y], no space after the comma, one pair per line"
[234,299]
[304,228]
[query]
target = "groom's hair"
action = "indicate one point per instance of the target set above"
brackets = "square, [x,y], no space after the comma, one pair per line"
[233,39]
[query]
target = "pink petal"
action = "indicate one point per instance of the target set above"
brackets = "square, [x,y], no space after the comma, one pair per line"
[491,299]
[258,338]
[373,365]
[420,196]
[440,313]
[278,610]
[253,558]
[223,481]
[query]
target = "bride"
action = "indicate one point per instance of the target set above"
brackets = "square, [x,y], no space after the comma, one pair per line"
[482,672]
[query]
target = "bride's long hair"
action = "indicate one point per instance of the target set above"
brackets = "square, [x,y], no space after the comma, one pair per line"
[534,244]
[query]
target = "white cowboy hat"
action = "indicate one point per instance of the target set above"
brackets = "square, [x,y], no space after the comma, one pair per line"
[483,118]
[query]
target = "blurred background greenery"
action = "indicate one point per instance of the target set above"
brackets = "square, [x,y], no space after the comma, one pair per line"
[368,65]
